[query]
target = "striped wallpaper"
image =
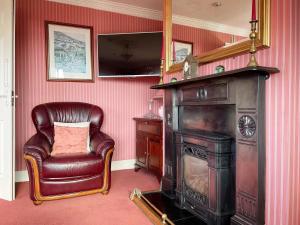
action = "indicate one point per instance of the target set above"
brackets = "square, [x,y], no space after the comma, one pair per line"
[282,112]
[131,95]
[121,99]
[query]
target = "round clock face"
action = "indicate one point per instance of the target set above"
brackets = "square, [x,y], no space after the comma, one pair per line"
[186,66]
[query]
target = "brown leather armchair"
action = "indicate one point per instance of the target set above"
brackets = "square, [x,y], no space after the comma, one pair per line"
[65,176]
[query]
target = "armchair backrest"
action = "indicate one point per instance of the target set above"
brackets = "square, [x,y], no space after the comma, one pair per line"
[45,115]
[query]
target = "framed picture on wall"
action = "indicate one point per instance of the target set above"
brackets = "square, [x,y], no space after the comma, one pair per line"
[69,50]
[180,50]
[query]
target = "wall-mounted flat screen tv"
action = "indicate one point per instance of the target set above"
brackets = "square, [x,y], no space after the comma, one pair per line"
[129,54]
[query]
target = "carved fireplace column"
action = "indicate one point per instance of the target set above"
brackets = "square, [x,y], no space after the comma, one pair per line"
[250,154]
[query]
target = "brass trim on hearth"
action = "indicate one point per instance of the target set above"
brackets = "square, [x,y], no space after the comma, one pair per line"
[154,214]
[36,180]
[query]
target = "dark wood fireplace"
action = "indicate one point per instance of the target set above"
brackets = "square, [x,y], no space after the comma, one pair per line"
[214,164]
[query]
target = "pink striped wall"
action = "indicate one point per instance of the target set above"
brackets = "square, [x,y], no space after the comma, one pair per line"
[282,112]
[121,99]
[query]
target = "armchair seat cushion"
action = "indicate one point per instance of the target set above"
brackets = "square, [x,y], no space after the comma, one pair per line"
[72,165]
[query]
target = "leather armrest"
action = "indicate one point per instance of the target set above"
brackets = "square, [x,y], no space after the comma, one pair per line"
[38,146]
[101,143]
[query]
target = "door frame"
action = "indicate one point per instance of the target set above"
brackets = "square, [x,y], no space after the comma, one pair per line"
[8,62]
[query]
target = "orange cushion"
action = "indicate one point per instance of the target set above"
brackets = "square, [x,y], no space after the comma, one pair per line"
[71,138]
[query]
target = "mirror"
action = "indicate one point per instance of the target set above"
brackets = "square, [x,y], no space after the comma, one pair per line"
[217,29]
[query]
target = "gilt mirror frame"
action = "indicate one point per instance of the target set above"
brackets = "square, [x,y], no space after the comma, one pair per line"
[263,40]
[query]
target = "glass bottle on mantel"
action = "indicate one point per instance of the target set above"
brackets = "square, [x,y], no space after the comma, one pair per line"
[150,114]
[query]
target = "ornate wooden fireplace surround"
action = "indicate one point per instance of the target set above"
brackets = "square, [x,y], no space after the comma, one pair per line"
[215,128]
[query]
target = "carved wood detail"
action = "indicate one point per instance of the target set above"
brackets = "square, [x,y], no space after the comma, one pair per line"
[195,151]
[246,205]
[195,196]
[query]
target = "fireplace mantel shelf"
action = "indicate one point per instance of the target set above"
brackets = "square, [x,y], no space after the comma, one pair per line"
[237,72]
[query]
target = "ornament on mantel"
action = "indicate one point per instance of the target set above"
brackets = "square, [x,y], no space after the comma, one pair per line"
[190,67]
[253,36]
[161,76]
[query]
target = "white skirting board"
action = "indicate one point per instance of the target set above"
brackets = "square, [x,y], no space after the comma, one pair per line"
[22,176]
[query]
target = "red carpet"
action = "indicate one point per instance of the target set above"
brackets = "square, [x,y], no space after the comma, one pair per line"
[112,209]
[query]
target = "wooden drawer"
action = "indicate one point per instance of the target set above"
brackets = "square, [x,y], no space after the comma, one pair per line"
[209,92]
[149,127]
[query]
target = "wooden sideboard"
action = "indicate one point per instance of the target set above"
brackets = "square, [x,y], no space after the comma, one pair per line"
[149,154]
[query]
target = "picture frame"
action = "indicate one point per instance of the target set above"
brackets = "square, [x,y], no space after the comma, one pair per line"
[69,52]
[180,50]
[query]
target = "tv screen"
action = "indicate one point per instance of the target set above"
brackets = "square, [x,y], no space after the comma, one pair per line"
[129,54]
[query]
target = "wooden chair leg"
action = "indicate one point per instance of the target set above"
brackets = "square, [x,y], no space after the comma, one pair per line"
[105,192]
[37,202]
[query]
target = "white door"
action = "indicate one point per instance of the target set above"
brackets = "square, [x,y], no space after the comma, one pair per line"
[7,156]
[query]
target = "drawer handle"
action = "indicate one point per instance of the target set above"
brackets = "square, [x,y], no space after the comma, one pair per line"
[169,119]
[202,93]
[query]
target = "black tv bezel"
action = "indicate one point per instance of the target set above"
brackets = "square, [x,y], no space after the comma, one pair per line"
[129,75]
